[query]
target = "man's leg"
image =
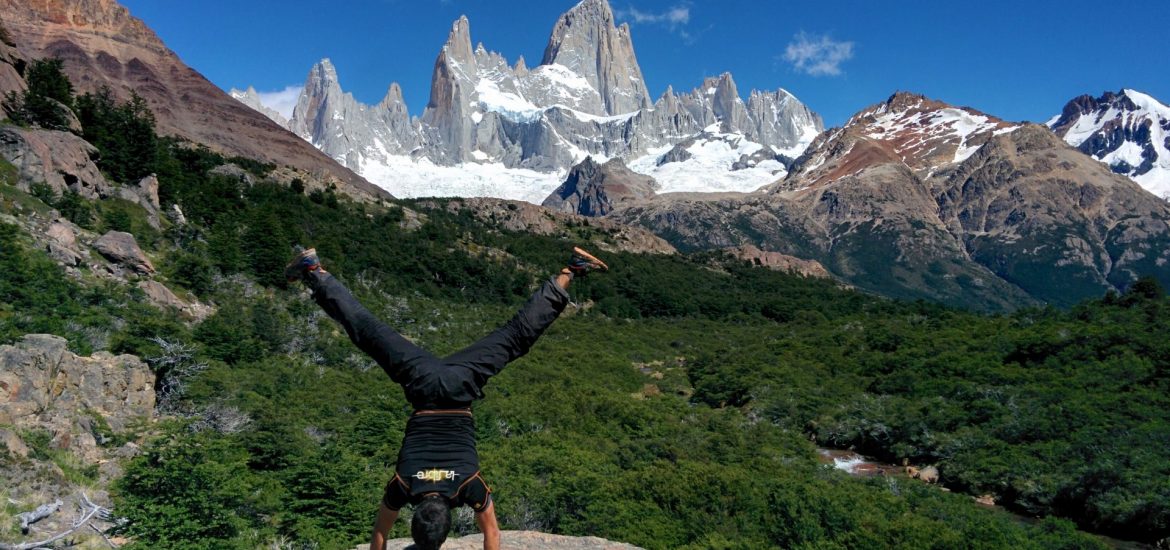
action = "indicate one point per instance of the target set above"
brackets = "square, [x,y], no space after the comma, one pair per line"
[396,355]
[488,356]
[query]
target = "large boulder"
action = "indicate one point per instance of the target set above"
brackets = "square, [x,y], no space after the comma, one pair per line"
[60,159]
[779,262]
[121,248]
[145,194]
[163,297]
[234,171]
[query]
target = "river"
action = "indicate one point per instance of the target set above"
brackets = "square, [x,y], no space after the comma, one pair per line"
[863,466]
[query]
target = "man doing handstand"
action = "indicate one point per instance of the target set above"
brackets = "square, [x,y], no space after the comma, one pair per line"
[438,467]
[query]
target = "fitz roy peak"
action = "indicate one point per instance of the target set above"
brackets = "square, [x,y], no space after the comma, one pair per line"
[494,129]
[1128,130]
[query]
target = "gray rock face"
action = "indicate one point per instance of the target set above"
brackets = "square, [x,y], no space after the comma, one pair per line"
[78,401]
[60,159]
[145,194]
[234,171]
[63,233]
[586,98]
[161,296]
[10,79]
[594,189]
[251,98]
[585,41]
[43,385]
[346,130]
[121,248]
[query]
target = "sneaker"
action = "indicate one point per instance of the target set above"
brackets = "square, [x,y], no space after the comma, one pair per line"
[582,262]
[300,266]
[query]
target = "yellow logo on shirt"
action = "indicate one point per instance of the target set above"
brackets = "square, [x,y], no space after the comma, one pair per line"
[435,475]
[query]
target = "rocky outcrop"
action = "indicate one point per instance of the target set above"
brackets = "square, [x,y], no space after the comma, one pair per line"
[162,297]
[235,172]
[145,194]
[531,540]
[62,160]
[779,262]
[44,386]
[594,189]
[121,248]
[85,407]
[12,64]
[102,44]
[520,216]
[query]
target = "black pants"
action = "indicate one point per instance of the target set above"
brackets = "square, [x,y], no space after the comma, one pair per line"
[432,382]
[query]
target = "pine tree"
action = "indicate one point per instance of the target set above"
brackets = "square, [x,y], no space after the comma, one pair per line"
[48,99]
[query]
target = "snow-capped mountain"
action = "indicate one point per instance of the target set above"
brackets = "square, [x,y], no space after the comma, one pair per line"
[919,198]
[925,135]
[510,131]
[1128,130]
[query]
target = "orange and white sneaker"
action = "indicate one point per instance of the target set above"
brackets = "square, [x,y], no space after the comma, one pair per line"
[582,262]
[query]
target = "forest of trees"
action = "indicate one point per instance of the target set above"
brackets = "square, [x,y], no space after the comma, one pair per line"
[677,407]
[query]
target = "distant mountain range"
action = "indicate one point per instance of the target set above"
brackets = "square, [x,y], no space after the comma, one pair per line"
[919,199]
[911,198]
[506,124]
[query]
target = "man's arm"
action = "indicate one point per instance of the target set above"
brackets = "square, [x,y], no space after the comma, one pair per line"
[382,525]
[488,526]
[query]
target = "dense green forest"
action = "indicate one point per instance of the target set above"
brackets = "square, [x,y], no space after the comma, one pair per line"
[674,406]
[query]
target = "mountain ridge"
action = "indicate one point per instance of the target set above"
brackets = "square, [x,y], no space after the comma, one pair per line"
[915,198]
[102,44]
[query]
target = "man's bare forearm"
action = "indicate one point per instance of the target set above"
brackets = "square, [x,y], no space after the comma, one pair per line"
[488,526]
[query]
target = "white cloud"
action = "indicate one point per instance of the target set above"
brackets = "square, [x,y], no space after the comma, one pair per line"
[674,17]
[817,55]
[281,101]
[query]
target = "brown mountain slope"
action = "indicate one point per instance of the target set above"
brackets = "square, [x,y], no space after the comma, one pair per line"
[914,198]
[101,43]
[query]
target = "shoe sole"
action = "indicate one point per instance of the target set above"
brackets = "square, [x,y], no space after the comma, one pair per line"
[295,263]
[580,252]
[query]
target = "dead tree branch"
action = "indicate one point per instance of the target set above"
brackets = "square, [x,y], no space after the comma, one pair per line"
[89,510]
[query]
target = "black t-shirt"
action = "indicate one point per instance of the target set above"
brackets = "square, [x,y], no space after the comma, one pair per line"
[438,455]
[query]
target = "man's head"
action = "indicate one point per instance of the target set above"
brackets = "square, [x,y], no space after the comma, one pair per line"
[431,522]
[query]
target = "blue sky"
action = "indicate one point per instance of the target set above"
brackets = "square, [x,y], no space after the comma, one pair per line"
[1019,60]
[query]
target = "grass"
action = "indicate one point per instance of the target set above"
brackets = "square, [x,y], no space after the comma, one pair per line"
[14,201]
[9,175]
